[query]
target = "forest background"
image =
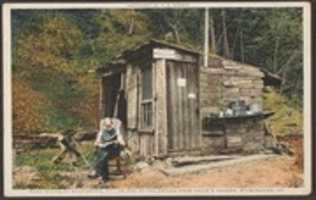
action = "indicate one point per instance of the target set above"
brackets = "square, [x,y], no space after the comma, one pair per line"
[55,53]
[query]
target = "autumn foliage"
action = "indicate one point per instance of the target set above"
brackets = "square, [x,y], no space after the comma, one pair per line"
[51,45]
[27,107]
[89,107]
[51,89]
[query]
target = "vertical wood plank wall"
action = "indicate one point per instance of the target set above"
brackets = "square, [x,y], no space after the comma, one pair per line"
[131,94]
[155,109]
[146,138]
[183,117]
[161,112]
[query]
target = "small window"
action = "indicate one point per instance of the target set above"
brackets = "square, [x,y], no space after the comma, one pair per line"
[147,98]
[147,83]
[147,115]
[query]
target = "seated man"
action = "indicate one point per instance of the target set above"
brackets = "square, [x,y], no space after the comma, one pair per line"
[109,142]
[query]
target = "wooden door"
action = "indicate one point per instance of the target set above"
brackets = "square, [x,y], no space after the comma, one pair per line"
[182,106]
[111,86]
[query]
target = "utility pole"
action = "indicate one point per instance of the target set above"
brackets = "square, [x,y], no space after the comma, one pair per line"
[206,37]
[242,47]
[225,37]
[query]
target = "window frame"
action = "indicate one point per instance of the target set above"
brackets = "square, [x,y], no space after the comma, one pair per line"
[147,128]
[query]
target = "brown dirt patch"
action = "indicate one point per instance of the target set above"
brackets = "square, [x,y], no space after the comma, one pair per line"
[273,172]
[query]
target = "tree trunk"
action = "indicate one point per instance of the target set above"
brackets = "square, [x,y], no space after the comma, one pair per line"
[213,35]
[225,36]
[131,26]
[289,61]
[242,53]
[284,82]
[176,33]
[275,55]
[232,53]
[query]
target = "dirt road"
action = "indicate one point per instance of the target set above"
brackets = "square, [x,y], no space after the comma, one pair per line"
[279,171]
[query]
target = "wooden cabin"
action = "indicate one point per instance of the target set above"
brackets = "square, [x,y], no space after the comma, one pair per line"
[171,105]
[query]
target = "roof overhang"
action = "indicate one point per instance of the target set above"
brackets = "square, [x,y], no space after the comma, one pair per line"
[271,79]
[120,61]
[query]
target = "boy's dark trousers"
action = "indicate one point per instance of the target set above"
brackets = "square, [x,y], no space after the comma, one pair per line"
[103,156]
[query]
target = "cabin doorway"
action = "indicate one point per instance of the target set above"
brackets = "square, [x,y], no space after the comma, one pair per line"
[115,104]
[182,106]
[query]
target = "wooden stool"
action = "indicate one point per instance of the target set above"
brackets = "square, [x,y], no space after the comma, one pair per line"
[121,168]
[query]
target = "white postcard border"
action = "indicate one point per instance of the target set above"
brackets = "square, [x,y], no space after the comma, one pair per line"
[7,106]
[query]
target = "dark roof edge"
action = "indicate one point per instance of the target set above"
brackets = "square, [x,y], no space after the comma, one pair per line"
[270,78]
[175,46]
[120,58]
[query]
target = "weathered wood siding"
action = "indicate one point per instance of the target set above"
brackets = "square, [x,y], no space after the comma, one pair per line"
[146,144]
[182,106]
[131,80]
[132,96]
[161,109]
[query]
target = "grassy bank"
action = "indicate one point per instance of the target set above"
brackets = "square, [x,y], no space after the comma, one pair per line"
[288,118]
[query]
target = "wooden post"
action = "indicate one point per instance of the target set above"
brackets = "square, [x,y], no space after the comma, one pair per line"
[155,110]
[161,135]
[206,37]
[225,37]
[242,47]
